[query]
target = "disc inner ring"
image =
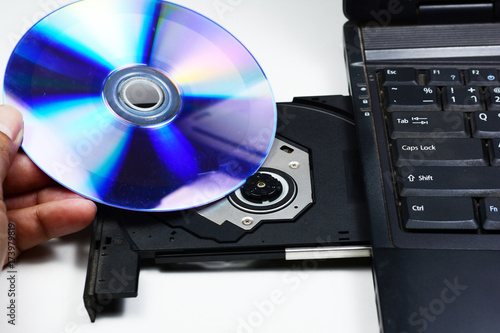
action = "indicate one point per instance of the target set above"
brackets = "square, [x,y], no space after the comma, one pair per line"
[142,95]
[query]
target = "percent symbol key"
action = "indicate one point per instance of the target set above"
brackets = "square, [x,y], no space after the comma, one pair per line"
[412,98]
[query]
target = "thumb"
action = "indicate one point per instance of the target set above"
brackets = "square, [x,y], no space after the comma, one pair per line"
[11,135]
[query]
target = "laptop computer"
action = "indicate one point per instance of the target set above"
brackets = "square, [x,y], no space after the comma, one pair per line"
[187,299]
[424,78]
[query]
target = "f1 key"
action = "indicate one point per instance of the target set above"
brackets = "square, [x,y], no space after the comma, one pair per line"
[445,77]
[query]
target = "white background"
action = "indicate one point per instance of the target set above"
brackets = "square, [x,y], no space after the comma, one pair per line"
[299,46]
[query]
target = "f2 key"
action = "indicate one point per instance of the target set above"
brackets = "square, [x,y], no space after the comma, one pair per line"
[482,77]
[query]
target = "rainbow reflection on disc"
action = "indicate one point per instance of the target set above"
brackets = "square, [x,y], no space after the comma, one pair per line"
[140,104]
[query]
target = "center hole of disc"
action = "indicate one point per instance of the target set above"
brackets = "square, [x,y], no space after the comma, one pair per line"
[142,94]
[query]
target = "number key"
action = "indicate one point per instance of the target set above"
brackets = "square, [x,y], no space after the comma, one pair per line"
[492,97]
[465,98]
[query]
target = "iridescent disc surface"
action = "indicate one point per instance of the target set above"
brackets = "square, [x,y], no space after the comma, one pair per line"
[219,135]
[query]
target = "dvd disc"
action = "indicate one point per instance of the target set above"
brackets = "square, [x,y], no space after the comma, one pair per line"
[140,104]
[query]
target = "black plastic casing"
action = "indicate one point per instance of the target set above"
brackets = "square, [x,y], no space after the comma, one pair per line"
[397,12]
[425,282]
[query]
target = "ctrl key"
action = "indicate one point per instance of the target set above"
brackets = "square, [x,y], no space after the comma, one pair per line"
[438,214]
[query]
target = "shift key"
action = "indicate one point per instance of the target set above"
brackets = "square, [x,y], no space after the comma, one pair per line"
[475,181]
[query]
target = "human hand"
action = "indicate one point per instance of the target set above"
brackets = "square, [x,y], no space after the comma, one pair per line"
[32,202]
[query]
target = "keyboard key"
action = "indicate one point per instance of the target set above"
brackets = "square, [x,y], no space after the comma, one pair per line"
[399,76]
[486,125]
[412,98]
[428,124]
[445,77]
[494,148]
[474,181]
[466,98]
[439,152]
[492,98]
[482,76]
[444,129]
[445,213]
[489,209]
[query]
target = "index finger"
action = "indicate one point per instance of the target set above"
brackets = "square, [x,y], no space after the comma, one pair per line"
[25,176]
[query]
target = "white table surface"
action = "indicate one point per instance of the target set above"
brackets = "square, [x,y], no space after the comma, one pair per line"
[299,46]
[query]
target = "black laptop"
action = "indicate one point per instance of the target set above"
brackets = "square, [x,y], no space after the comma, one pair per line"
[425,82]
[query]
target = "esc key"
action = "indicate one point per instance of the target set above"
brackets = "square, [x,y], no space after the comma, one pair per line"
[399,76]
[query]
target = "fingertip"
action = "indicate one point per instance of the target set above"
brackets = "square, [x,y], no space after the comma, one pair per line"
[68,216]
[85,208]
[11,122]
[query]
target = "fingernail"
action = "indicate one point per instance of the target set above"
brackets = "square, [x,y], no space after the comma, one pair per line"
[19,137]
[11,123]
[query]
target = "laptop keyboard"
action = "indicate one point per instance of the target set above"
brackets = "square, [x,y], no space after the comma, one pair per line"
[443,126]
